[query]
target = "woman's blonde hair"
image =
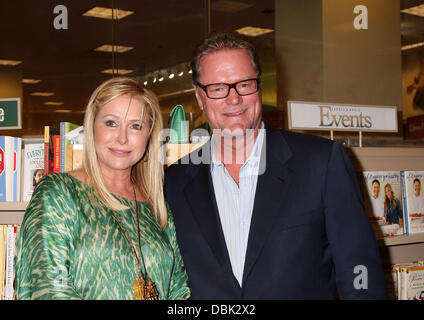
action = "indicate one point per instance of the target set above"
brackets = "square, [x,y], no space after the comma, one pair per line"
[147,174]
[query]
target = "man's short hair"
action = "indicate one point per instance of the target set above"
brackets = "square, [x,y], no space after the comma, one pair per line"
[221,41]
[375,181]
[417,180]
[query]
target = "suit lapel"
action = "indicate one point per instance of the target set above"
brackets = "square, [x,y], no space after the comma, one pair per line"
[271,190]
[200,195]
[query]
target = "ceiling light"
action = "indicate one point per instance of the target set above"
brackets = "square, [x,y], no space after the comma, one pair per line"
[416,11]
[118,71]
[106,13]
[253,31]
[180,73]
[53,103]
[414,45]
[62,111]
[145,83]
[154,80]
[30,81]
[231,6]
[42,94]
[9,62]
[171,75]
[108,48]
[161,78]
[190,71]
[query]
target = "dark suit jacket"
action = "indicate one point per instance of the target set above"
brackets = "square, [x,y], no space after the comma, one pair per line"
[308,231]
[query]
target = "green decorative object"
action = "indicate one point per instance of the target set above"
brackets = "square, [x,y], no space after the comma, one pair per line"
[178,125]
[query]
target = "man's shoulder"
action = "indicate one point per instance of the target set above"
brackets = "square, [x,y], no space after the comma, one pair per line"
[302,142]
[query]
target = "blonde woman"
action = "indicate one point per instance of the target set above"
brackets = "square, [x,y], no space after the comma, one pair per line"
[392,207]
[104,231]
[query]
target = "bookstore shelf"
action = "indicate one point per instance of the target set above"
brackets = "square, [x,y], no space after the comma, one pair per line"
[396,249]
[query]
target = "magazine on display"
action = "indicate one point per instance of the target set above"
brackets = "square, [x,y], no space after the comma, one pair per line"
[383,202]
[33,166]
[413,201]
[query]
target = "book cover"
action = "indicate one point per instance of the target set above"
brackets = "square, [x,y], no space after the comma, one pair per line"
[413,201]
[413,282]
[10,255]
[17,169]
[49,133]
[33,167]
[6,168]
[77,155]
[65,151]
[56,144]
[383,202]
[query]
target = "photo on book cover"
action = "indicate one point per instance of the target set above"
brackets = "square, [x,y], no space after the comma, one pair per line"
[383,202]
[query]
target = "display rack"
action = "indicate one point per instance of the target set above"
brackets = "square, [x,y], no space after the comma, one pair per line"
[398,249]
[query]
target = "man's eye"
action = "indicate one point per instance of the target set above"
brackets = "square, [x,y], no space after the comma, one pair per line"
[110,123]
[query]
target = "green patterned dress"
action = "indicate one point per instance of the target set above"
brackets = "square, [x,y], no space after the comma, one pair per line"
[70,249]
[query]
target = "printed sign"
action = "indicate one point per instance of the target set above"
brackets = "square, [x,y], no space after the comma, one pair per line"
[326,116]
[10,113]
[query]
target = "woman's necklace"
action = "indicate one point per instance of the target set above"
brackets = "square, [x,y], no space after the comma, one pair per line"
[144,288]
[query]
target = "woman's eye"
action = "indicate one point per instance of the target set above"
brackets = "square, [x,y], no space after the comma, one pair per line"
[136,126]
[110,123]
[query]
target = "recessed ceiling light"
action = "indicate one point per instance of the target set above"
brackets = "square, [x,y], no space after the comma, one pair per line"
[145,83]
[253,31]
[108,48]
[106,13]
[171,75]
[230,6]
[118,71]
[9,62]
[154,80]
[30,81]
[53,103]
[62,111]
[411,46]
[42,94]
[416,11]
[181,73]
[160,79]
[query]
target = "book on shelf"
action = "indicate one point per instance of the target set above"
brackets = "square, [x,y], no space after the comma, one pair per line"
[49,133]
[56,162]
[66,146]
[8,242]
[413,201]
[2,258]
[10,168]
[382,192]
[33,166]
[77,155]
[10,255]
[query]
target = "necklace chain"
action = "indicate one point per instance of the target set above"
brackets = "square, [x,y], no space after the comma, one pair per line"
[142,275]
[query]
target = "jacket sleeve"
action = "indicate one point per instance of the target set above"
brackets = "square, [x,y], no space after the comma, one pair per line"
[354,248]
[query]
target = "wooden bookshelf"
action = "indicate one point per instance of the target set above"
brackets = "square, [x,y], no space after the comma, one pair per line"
[12,212]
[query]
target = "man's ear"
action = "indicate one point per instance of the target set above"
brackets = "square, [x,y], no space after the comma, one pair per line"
[197,93]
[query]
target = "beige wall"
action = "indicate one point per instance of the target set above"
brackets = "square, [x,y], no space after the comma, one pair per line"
[322,57]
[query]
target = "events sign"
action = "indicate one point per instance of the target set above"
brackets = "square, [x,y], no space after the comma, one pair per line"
[331,116]
[10,113]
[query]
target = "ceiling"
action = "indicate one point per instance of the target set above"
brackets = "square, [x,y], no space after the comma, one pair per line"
[162,32]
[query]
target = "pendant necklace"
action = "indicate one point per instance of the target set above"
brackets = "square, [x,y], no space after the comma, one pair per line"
[144,288]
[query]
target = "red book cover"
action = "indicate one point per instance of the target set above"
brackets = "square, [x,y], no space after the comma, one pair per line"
[56,167]
[49,132]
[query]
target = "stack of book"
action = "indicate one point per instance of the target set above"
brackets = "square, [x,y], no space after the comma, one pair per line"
[405,281]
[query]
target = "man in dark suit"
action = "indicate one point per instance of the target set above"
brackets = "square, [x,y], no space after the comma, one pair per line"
[262,213]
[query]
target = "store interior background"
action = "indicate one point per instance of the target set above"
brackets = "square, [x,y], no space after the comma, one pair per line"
[313,53]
